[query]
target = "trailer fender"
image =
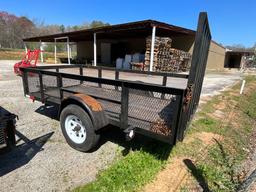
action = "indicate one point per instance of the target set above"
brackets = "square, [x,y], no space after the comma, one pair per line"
[91,106]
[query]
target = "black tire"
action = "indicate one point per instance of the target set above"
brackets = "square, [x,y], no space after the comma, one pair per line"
[91,137]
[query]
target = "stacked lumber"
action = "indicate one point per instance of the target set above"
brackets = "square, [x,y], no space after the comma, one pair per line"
[166,58]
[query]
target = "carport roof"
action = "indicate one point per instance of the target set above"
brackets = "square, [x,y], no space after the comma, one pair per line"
[126,30]
[241,51]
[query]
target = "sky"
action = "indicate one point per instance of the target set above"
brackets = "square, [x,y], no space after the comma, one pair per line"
[231,21]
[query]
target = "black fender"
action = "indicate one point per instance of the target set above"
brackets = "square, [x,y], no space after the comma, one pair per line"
[90,105]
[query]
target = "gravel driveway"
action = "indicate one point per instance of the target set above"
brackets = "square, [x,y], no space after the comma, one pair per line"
[43,161]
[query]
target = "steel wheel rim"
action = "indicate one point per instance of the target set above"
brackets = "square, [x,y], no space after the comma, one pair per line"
[75,129]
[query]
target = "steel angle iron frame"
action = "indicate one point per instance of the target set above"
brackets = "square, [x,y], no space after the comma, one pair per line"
[126,86]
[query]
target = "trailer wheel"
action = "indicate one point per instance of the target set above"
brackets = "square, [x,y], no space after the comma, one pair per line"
[77,128]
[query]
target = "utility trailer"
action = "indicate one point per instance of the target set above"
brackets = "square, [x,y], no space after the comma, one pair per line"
[87,103]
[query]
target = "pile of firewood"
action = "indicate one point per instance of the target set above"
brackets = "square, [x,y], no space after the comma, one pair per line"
[167,58]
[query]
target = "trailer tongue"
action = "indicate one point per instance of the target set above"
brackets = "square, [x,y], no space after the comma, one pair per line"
[87,104]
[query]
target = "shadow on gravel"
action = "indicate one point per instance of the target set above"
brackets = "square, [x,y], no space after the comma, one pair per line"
[48,111]
[22,154]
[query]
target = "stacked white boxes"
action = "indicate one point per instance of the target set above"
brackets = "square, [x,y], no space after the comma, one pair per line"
[119,63]
[126,62]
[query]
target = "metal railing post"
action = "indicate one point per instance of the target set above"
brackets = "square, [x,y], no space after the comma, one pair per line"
[100,75]
[68,50]
[94,49]
[152,48]
[41,87]
[179,124]
[164,84]
[124,107]
[55,52]
[81,72]
[41,52]
[59,85]
[25,82]
[116,78]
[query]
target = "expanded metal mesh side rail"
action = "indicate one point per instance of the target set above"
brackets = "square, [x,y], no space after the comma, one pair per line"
[151,109]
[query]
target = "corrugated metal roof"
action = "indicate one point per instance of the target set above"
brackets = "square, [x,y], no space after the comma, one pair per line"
[133,29]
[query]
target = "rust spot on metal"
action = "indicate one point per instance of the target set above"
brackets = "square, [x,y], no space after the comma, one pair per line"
[90,101]
[188,97]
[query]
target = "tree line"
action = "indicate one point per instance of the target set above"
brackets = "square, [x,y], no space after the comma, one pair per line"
[13,29]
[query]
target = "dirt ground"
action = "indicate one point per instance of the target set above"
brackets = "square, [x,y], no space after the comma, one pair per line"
[43,161]
[177,173]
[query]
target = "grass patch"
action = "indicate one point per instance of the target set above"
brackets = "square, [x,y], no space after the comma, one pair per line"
[206,124]
[132,171]
[18,54]
[9,54]
[186,148]
[127,174]
[222,161]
